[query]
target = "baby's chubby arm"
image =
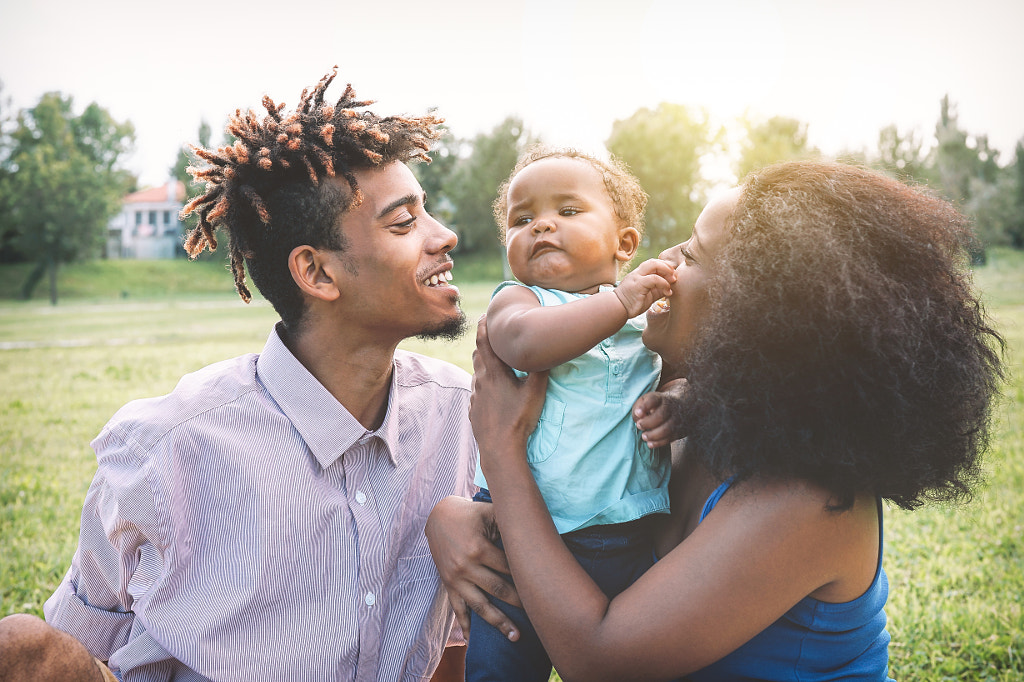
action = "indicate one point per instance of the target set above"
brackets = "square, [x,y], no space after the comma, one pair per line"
[533,338]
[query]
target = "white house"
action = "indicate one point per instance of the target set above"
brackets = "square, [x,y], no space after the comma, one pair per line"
[147,228]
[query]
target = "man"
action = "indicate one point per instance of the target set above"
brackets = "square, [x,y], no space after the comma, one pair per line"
[265,519]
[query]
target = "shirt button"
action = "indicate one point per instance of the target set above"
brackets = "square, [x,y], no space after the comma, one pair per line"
[360,497]
[371,599]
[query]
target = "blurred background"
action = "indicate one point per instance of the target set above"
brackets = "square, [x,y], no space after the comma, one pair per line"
[98,101]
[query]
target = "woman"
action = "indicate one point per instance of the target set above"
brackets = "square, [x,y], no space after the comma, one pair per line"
[835,356]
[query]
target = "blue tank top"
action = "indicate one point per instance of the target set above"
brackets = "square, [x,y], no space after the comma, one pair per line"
[814,640]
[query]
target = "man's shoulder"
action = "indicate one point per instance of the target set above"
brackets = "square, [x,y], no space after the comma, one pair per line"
[147,420]
[414,369]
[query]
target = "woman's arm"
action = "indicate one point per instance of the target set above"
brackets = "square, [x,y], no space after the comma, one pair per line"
[765,547]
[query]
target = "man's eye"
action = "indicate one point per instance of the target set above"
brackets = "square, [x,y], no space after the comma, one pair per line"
[406,224]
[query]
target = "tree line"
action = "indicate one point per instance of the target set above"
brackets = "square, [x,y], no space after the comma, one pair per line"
[61,178]
[668,149]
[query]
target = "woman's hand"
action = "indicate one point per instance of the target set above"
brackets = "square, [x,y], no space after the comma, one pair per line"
[504,409]
[460,533]
[657,414]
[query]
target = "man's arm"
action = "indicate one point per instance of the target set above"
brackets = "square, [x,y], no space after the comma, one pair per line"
[93,602]
[460,532]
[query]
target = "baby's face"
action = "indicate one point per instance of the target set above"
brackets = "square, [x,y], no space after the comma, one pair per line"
[562,229]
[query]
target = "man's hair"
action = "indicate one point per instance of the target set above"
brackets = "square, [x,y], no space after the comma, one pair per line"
[627,196]
[844,344]
[266,191]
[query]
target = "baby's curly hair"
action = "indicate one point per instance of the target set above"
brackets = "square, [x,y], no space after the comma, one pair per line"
[845,344]
[266,189]
[627,196]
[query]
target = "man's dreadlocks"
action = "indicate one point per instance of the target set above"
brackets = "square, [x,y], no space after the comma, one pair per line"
[265,190]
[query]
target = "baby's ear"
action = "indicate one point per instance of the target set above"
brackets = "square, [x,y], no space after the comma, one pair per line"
[629,242]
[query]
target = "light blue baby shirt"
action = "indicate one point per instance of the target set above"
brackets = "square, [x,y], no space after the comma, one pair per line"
[586,453]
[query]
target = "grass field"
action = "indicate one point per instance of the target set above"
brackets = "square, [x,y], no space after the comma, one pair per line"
[129,330]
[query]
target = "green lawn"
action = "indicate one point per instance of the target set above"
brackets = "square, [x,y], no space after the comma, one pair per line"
[957,574]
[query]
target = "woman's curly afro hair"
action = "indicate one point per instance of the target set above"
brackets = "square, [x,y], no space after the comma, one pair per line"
[845,344]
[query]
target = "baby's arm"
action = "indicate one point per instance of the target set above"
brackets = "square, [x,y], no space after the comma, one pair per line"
[533,338]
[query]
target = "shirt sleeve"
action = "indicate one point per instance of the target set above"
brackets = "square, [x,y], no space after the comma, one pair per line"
[115,563]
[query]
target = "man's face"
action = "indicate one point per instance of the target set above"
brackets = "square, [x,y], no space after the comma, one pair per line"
[397,259]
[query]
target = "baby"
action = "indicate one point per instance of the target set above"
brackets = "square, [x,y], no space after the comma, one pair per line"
[571,223]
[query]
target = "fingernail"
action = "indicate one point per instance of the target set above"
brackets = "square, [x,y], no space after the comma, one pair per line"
[512,635]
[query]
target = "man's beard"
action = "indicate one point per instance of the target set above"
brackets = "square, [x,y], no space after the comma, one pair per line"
[449,330]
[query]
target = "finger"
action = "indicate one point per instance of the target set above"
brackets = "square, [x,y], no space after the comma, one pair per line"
[661,434]
[645,405]
[495,617]
[493,558]
[502,589]
[484,357]
[537,382]
[462,611]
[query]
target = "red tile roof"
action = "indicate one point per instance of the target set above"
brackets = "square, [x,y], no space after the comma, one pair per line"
[156,194]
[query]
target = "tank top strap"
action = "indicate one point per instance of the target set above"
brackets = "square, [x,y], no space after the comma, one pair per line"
[715,496]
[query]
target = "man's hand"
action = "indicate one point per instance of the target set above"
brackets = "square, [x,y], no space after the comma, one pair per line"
[657,414]
[460,533]
[650,281]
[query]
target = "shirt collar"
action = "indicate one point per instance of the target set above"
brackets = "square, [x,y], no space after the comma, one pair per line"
[328,429]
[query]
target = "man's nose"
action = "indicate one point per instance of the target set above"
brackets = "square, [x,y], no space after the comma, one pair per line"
[443,240]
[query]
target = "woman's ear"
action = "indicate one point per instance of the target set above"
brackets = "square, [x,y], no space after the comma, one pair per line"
[313,272]
[629,242]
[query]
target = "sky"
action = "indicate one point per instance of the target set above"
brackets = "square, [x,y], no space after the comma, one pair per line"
[568,68]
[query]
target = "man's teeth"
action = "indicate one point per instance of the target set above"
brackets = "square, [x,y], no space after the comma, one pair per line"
[442,278]
[661,305]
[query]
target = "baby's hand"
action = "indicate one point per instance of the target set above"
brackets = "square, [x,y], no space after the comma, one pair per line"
[657,414]
[650,281]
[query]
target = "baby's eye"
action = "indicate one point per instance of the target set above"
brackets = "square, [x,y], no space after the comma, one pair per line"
[521,220]
[569,211]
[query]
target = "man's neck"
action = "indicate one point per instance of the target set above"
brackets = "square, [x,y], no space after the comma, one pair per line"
[356,372]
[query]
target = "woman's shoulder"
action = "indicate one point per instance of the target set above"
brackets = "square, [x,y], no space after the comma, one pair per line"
[843,543]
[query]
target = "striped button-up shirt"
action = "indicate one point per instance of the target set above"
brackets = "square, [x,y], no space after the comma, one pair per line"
[246,526]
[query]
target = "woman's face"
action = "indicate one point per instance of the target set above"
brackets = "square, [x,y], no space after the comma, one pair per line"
[670,331]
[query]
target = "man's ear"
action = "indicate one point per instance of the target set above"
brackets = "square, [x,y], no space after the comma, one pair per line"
[314,272]
[629,242]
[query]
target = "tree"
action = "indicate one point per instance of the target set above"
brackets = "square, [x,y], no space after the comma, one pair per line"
[1015,225]
[959,157]
[436,175]
[473,183]
[8,234]
[967,171]
[663,148]
[902,155]
[62,183]
[777,139]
